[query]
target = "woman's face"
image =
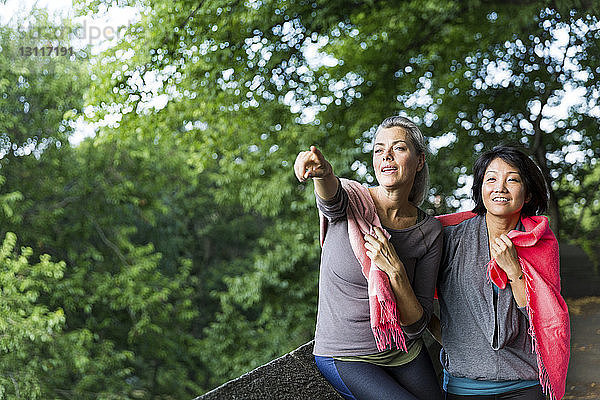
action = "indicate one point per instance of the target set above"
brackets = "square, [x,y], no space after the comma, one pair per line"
[395,159]
[503,190]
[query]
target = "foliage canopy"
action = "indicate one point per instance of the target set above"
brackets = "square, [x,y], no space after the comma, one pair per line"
[176,248]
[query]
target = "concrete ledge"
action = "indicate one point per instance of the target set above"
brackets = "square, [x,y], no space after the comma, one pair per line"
[292,376]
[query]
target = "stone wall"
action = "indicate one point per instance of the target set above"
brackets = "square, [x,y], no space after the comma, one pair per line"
[293,376]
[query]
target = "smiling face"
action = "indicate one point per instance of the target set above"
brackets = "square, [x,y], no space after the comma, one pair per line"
[503,190]
[395,159]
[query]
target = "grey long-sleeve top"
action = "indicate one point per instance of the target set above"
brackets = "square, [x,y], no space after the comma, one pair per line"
[343,323]
[480,340]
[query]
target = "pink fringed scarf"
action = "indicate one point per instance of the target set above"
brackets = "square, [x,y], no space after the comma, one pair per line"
[362,218]
[549,327]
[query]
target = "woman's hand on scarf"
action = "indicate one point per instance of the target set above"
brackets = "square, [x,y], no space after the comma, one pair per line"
[503,250]
[311,164]
[382,253]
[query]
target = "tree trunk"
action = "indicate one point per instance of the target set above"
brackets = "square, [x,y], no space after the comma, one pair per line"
[539,152]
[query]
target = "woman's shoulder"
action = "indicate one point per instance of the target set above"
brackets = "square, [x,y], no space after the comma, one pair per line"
[429,221]
[459,227]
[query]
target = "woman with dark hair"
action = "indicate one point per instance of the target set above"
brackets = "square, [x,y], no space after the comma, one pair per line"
[504,325]
[379,263]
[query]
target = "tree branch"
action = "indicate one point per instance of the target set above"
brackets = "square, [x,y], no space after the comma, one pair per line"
[110,244]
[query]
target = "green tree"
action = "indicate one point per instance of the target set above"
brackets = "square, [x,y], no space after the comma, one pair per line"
[27,325]
[129,311]
[248,85]
[38,91]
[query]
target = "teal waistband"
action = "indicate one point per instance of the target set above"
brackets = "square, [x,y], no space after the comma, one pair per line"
[466,386]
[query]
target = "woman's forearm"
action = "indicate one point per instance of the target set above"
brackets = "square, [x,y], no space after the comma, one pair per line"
[409,308]
[517,285]
[383,254]
[326,187]
[505,254]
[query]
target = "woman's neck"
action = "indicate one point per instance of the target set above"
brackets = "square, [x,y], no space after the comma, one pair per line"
[393,206]
[498,225]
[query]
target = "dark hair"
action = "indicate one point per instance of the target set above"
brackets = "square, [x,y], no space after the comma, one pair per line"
[533,180]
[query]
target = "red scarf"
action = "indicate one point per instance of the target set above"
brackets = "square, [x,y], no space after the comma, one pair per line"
[549,327]
[362,218]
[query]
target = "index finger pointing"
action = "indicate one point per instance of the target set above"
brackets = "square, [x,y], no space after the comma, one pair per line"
[317,153]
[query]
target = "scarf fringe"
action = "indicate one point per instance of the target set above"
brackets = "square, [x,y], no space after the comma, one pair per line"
[386,337]
[543,374]
[386,330]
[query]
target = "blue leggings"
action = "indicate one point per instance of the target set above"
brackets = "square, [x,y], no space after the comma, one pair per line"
[356,380]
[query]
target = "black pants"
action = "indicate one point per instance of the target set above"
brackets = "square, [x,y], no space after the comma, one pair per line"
[529,393]
[356,380]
